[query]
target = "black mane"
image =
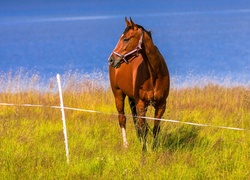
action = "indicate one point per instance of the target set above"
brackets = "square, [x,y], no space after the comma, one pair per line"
[139,26]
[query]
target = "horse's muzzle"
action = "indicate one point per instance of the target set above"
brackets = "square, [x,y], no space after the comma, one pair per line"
[113,62]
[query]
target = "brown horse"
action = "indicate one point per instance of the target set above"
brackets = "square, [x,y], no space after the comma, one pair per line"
[138,70]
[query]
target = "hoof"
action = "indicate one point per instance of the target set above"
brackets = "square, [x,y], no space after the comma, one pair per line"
[125,144]
[144,147]
[155,145]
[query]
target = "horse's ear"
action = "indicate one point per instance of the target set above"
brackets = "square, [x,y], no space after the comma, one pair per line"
[133,24]
[127,22]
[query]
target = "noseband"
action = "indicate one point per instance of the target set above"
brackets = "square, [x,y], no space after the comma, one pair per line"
[137,49]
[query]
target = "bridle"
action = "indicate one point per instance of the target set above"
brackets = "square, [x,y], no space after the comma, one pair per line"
[123,56]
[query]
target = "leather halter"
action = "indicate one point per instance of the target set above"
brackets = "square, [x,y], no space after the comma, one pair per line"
[137,49]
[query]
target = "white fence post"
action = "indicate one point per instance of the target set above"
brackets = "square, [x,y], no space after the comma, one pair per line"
[63,118]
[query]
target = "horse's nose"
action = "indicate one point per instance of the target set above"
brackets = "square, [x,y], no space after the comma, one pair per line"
[111,61]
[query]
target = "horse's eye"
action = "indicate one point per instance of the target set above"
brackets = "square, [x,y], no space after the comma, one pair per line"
[126,39]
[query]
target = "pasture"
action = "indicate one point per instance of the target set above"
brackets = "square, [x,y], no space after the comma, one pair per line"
[32,143]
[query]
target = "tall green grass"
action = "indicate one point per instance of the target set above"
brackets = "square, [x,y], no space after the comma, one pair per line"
[32,142]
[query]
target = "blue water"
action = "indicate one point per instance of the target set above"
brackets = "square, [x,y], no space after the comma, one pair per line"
[197,37]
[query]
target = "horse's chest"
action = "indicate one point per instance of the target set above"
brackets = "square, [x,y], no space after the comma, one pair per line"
[152,92]
[146,92]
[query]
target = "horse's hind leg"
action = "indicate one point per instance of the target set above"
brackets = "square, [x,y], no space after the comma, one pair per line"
[119,101]
[141,109]
[159,111]
[132,105]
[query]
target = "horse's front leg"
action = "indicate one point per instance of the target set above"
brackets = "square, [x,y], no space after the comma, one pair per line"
[119,101]
[132,104]
[159,111]
[141,109]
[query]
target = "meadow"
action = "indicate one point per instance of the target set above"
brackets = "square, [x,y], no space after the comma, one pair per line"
[32,142]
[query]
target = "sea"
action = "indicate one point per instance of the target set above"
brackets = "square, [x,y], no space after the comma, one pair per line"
[198,39]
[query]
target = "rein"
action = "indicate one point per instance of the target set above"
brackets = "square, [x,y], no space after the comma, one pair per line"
[137,49]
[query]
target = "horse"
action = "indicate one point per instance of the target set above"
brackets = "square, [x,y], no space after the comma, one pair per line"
[138,70]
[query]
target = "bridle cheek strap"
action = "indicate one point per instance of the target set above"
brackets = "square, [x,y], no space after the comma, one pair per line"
[137,49]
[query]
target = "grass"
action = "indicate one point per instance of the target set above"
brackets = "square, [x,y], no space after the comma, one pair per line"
[32,142]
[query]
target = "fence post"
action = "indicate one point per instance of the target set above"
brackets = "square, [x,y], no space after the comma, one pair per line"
[63,118]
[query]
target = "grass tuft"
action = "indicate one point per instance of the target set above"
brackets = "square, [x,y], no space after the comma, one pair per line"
[32,142]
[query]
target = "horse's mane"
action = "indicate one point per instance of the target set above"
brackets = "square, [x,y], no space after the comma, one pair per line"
[139,26]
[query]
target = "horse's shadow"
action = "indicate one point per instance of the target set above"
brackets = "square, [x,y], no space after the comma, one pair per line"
[181,138]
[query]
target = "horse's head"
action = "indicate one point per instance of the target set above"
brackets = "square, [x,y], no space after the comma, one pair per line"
[128,45]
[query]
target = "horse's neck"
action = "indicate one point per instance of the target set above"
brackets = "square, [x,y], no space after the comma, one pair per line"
[153,55]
